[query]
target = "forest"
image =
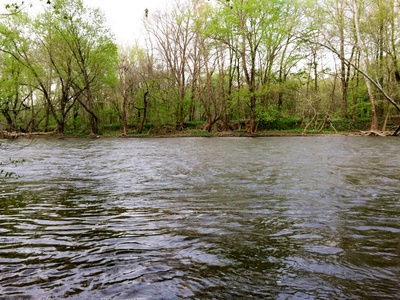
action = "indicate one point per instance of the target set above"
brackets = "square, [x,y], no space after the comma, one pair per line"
[210,66]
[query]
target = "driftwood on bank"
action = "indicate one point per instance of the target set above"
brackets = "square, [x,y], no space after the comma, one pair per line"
[14,135]
[377,133]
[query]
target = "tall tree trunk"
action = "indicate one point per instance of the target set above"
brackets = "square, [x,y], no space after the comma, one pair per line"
[145,103]
[355,89]
[46,122]
[8,119]
[315,68]
[238,95]
[90,109]
[61,120]
[249,77]
[207,106]
[374,122]
[193,99]
[181,96]
[343,67]
[92,116]
[125,99]
[33,125]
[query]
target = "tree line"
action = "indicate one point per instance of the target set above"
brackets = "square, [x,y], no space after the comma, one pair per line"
[222,64]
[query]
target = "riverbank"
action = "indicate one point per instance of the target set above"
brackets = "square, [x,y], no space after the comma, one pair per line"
[191,133]
[276,128]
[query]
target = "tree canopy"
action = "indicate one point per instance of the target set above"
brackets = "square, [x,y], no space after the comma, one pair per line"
[214,65]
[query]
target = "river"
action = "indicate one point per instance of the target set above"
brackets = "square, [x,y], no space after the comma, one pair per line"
[201,218]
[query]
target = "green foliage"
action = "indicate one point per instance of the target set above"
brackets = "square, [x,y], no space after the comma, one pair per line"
[194,124]
[286,124]
[110,114]
[265,115]
[362,108]
[261,56]
[201,133]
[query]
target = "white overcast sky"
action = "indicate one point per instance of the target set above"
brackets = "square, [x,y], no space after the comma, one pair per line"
[123,16]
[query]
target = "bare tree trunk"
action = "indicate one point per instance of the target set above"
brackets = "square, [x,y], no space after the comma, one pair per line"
[181,96]
[343,78]
[355,89]
[249,77]
[374,123]
[315,117]
[238,94]
[192,114]
[93,117]
[125,98]
[46,123]
[32,127]
[386,118]
[145,103]
[315,69]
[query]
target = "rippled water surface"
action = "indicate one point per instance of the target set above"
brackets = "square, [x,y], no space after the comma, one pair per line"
[201,218]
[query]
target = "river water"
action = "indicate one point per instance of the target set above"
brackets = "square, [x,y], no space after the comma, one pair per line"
[201,218]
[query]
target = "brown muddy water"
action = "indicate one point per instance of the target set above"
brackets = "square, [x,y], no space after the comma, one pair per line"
[201,218]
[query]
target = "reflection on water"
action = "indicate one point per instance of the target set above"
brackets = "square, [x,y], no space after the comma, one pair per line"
[200,218]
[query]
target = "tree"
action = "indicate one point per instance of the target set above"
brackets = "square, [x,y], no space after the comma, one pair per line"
[69,52]
[255,61]
[91,45]
[137,80]
[60,66]
[361,44]
[15,91]
[173,36]
[206,57]
[16,33]
[259,24]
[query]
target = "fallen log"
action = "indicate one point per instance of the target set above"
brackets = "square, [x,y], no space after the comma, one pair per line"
[376,133]
[14,135]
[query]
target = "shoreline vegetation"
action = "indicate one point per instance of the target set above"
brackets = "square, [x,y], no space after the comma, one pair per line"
[284,128]
[186,134]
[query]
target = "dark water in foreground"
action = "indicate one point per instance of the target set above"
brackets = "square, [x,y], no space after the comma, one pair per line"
[200,218]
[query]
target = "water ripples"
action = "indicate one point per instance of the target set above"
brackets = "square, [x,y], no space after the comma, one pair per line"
[202,218]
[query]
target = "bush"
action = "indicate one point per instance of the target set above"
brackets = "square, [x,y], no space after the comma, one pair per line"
[280,124]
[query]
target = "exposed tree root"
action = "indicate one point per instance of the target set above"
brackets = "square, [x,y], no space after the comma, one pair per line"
[377,133]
